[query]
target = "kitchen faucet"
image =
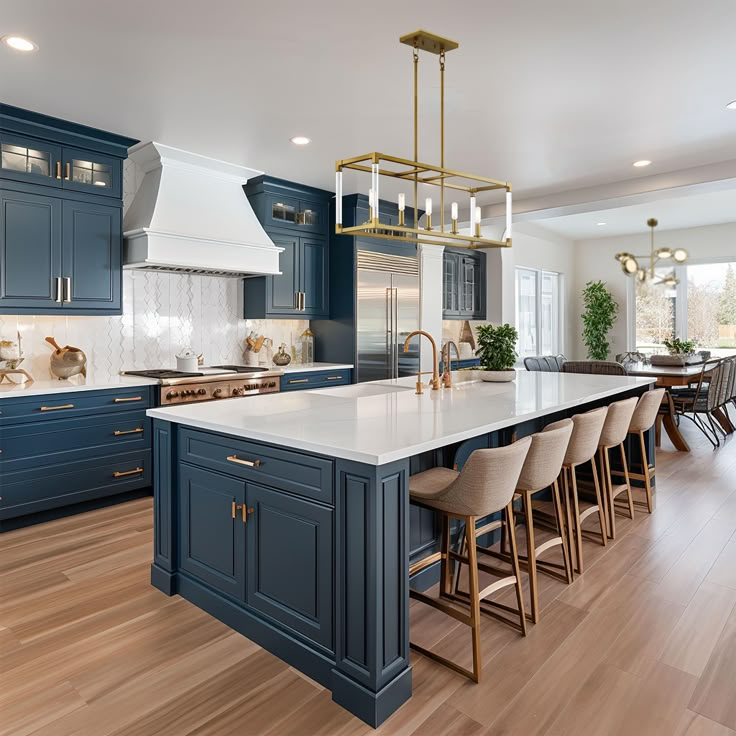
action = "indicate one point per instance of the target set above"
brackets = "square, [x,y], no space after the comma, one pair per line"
[435,364]
[447,364]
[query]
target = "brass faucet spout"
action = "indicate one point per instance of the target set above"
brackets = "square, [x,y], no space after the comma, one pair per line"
[435,363]
[447,364]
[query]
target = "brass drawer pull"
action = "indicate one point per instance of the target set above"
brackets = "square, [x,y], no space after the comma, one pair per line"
[132,398]
[243,509]
[334,378]
[298,380]
[120,474]
[58,169]
[249,463]
[56,408]
[120,432]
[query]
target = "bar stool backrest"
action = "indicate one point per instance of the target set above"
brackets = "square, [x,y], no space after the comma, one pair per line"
[544,461]
[596,367]
[487,481]
[646,410]
[586,432]
[618,419]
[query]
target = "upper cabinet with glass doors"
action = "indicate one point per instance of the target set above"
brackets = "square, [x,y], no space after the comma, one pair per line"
[463,284]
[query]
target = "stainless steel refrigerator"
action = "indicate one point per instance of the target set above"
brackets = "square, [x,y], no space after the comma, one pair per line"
[387,311]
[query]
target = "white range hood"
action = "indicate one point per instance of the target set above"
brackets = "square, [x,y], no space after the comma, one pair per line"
[191,215]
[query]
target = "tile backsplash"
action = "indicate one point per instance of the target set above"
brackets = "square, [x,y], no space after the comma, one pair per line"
[163,313]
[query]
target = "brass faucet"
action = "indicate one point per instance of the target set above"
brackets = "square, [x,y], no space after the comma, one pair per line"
[447,364]
[435,364]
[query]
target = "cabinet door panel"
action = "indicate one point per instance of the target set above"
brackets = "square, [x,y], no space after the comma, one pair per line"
[450,300]
[30,160]
[94,173]
[283,288]
[30,250]
[314,276]
[213,543]
[290,562]
[92,255]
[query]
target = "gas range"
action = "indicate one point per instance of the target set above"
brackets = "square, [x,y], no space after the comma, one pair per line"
[212,382]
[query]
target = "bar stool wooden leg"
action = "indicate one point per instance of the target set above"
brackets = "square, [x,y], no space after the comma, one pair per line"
[445,561]
[516,569]
[647,475]
[601,505]
[608,480]
[531,557]
[474,593]
[629,494]
[578,530]
[572,512]
[562,531]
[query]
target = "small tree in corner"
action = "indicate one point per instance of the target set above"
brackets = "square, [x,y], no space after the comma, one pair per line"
[598,318]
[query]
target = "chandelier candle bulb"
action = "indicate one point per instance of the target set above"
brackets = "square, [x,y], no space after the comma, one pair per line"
[477,222]
[453,217]
[402,207]
[428,211]
[472,214]
[338,198]
[509,212]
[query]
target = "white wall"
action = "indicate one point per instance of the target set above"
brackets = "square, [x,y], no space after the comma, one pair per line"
[595,260]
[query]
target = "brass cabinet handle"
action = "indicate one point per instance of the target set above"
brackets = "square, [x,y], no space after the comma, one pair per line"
[235,508]
[131,398]
[120,432]
[58,169]
[59,294]
[249,463]
[68,171]
[120,474]
[243,509]
[334,378]
[67,289]
[56,408]
[304,301]
[298,380]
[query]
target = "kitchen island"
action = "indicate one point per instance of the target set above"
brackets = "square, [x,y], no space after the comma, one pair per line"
[287,517]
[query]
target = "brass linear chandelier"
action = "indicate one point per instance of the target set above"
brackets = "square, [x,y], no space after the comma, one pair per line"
[417,173]
[630,264]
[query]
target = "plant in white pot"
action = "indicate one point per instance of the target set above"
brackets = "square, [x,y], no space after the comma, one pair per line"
[497,352]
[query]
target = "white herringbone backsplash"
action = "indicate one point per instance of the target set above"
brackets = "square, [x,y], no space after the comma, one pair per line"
[162,313]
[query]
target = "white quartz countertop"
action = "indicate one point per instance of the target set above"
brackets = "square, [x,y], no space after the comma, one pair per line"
[47,386]
[383,421]
[312,367]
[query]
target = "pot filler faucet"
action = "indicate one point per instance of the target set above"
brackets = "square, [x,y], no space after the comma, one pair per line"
[435,382]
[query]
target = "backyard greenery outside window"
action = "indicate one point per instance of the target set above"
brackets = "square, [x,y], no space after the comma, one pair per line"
[702,307]
[538,312]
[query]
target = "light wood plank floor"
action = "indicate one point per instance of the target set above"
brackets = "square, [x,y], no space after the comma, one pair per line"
[643,643]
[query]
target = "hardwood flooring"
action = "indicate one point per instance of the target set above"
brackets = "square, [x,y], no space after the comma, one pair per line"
[643,643]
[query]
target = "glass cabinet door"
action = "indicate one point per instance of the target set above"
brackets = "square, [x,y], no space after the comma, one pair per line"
[450,277]
[468,285]
[27,159]
[90,172]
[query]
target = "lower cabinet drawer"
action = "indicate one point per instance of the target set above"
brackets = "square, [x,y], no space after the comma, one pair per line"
[315,379]
[50,443]
[28,491]
[294,472]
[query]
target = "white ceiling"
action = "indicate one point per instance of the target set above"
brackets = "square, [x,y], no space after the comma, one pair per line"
[547,95]
[675,213]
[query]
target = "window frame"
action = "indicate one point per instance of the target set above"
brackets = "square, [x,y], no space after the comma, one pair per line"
[559,339]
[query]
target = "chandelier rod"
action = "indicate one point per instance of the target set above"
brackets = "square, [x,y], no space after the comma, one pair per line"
[442,136]
[416,130]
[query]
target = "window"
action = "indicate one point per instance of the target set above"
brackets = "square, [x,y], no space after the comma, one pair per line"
[702,307]
[538,310]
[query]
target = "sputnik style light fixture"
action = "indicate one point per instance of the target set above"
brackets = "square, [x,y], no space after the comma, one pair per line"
[416,173]
[630,264]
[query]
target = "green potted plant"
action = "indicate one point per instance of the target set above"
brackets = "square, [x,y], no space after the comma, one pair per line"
[598,318]
[680,352]
[675,346]
[497,352]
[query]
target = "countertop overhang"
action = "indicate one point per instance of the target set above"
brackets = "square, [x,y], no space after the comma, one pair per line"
[389,421]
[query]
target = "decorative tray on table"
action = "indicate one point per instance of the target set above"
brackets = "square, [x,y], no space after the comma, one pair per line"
[676,360]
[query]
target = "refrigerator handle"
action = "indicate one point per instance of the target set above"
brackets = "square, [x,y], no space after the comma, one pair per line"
[389,333]
[395,318]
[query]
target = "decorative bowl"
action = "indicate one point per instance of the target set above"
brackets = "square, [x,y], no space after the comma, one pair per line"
[497,376]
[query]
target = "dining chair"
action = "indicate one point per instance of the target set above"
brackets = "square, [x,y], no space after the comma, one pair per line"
[595,367]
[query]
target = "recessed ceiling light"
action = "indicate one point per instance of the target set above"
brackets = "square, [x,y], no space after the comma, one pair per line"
[17,43]
[300,140]
[642,163]
[731,105]
[600,224]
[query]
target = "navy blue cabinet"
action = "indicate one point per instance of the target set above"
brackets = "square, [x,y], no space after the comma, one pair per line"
[295,218]
[463,285]
[290,582]
[60,216]
[316,379]
[213,531]
[63,448]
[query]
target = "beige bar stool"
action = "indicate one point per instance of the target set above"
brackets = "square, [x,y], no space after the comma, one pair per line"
[484,486]
[541,470]
[614,432]
[582,448]
[644,418]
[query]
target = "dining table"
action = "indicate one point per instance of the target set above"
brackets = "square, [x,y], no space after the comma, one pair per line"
[669,376]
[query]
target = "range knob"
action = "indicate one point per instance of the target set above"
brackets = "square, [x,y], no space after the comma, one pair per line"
[202,391]
[172,394]
[217,393]
[272,384]
[237,392]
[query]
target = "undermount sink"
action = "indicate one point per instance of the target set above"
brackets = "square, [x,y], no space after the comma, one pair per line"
[357,390]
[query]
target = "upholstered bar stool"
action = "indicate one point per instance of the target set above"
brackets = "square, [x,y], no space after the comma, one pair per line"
[643,419]
[483,487]
[582,448]
[540,472]
[613,434]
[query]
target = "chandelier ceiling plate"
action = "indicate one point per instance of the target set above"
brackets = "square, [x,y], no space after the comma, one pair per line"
[425,41]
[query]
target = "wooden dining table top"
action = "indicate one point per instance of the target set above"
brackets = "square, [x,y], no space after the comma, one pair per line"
[667,375]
